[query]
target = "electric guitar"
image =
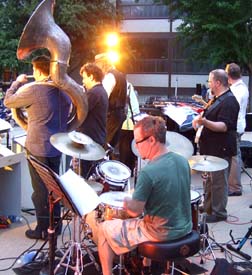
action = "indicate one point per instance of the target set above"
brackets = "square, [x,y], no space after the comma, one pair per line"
[199,99]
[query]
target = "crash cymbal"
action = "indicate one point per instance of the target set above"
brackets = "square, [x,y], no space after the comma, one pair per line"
[175,143]
[207,163]
[67,146]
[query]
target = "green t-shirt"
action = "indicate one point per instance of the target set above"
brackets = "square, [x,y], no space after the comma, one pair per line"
[164,184]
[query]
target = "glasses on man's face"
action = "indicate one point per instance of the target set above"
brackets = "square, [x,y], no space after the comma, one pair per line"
[142,140]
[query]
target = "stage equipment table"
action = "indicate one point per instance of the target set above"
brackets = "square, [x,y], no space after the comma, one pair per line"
[10,184]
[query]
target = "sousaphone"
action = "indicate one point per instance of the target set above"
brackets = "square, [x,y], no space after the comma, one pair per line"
[41,31]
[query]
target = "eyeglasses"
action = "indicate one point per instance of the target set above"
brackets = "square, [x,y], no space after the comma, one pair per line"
[142,140]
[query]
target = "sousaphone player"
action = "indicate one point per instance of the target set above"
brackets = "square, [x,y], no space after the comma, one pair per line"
[46,104]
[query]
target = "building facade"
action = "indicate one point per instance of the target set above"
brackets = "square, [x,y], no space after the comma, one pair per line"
[159,65]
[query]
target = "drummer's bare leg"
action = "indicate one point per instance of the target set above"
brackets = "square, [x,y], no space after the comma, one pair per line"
[106,254]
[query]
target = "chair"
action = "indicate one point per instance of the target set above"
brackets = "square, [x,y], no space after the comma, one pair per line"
[171,251]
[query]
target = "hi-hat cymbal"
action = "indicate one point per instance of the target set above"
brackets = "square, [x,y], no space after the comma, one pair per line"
[175,143]
[205,163]
[66,145]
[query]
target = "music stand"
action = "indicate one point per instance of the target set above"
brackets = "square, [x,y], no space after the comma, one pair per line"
[58,192]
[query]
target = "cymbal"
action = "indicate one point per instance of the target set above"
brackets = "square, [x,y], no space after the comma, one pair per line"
[79,137]
[92,151]
[207,163]
[175,142]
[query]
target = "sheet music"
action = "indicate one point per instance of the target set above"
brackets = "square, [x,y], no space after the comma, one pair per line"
[82,195]
[178,113]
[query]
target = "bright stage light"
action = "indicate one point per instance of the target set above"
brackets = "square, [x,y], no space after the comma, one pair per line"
[112,40]
[113,57]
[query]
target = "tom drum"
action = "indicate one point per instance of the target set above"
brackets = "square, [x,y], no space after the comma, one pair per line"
[113,175]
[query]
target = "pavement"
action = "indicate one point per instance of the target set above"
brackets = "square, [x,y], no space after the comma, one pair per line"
[13,242]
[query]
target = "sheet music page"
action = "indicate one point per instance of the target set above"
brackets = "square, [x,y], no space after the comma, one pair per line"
[178,113]
[82,195]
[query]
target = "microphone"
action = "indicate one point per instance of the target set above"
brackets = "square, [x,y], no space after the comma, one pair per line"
[244,255]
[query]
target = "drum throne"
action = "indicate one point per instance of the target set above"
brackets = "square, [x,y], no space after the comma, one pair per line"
[73,257]
[171,251]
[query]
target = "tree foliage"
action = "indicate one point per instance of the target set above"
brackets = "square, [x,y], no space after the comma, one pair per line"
[84,21]
[220,30]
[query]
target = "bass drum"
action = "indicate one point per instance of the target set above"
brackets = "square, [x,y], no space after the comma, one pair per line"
[113,174]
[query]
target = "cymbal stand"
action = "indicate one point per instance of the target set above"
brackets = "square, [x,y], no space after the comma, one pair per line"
[121,266]
[74,251]
[205,240]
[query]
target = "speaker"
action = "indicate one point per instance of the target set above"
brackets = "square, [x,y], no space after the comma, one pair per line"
[248,122]
[198,89]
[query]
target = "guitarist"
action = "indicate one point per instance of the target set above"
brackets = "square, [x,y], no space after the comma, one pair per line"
[218,138]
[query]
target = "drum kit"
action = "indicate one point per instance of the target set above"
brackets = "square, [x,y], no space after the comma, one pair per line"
[108,182]
[111,176]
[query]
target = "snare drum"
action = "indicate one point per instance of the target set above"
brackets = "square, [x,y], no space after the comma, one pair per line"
[113,175]
[195,201]
[112,205]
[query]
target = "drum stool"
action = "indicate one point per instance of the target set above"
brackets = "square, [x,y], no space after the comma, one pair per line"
[171,251]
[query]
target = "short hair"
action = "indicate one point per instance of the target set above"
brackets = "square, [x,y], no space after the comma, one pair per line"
[220,75]
[153,126]
[42,63]
[233,70]
[92,69]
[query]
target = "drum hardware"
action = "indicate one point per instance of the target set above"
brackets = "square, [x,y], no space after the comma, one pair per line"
[121,266]
[205,240]
[175,143]
[88,151]
[64,190]
[204,163]
[76,247]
